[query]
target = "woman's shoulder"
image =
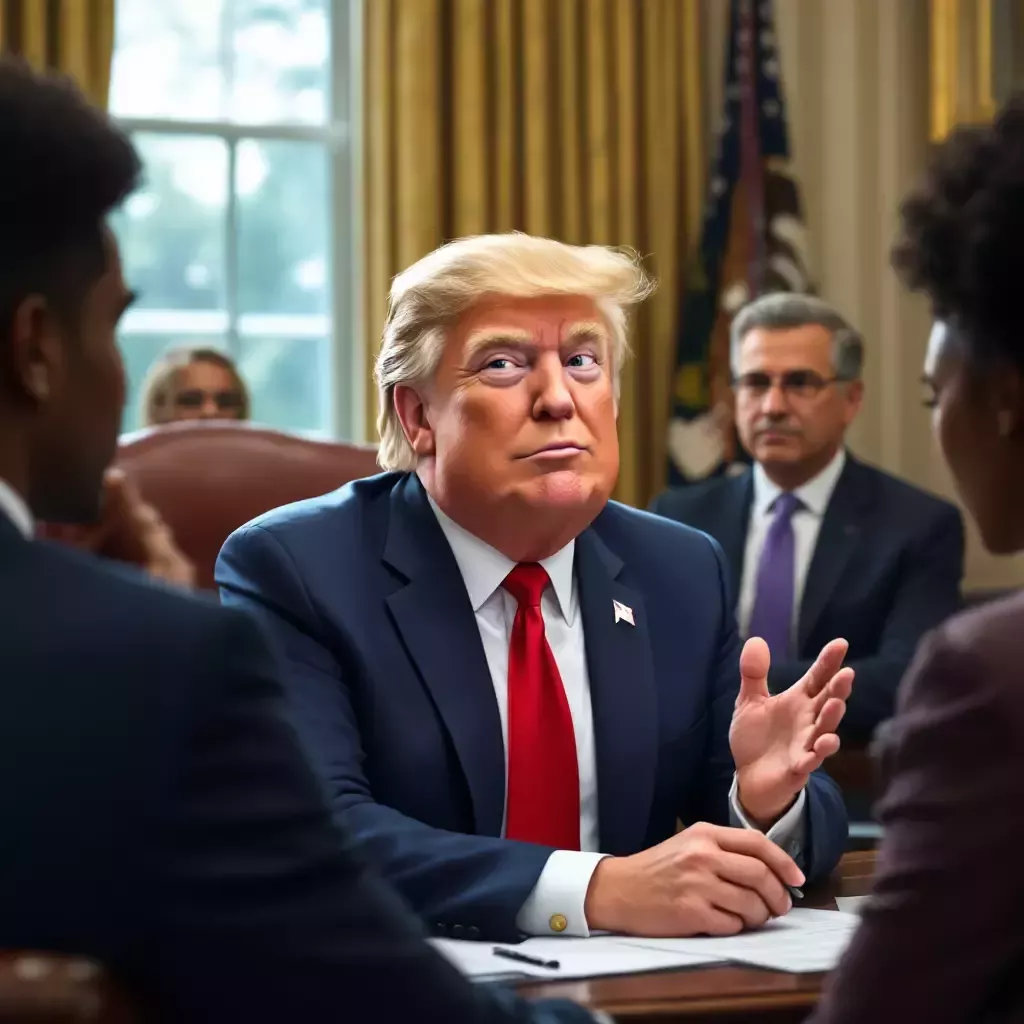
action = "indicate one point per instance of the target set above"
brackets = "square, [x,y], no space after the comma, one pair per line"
[976,655]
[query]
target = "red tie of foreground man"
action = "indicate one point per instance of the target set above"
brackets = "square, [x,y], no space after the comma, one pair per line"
[543,776]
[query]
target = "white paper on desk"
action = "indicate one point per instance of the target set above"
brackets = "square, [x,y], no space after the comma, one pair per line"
[802,942]
[578,958]
[851,904]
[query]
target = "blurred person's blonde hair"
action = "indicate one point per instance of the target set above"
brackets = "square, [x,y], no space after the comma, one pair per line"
[426,299]
[157,397]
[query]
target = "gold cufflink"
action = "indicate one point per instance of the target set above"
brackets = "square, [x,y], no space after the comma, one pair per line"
[558,923]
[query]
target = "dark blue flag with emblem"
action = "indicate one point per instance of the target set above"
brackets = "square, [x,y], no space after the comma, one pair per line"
[753,242]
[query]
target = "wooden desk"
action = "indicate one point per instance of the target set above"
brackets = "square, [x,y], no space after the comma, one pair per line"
[717,995]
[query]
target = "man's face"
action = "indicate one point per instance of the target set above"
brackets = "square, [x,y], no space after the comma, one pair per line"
[520,416]
[79,416]
[790,412]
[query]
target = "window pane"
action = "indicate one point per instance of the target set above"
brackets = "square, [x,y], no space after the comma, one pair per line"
[289,382]
[281,61]
[172,230]
[167,60]
[139,352]
[284,219]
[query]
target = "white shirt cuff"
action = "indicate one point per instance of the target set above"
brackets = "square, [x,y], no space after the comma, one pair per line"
[556,905]
[787,832]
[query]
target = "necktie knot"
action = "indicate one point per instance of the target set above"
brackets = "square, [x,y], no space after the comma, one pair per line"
[526,583]
[785,505]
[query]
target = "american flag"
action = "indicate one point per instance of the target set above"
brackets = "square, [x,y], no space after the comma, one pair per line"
[753,241]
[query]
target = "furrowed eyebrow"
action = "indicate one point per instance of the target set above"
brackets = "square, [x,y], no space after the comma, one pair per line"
[586,329]
[498,337]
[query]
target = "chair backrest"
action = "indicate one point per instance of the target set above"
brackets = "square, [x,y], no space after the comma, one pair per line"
[207,479]
[50,988]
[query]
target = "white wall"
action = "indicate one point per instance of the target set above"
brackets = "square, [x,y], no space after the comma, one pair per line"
[856,85]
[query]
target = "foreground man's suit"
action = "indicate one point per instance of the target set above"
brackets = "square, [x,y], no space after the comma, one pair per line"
[158,815]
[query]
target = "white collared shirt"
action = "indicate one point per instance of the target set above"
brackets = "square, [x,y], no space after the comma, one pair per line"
[13,505]
[561,890]
[815,496]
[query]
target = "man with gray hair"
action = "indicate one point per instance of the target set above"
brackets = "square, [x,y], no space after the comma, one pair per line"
[513,687]
[820,544]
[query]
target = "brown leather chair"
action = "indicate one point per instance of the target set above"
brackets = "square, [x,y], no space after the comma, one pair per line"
[50,988]
[207,479]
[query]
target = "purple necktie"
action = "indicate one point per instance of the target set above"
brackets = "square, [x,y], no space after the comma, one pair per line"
[772,615]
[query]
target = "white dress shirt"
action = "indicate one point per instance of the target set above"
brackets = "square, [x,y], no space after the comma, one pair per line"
[13,505]
[815,496]
[561,890]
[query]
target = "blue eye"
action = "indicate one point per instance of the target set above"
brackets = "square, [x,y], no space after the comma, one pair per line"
[501,363]
[582,359]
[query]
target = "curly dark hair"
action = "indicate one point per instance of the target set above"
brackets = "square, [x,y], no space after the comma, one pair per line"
[64,168]
[962,234]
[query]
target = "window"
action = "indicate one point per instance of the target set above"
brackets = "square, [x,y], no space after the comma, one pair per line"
[241,237]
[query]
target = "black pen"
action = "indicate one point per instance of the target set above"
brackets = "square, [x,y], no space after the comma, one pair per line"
[533,961]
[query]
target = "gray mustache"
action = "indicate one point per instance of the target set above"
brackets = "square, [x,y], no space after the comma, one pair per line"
[776,428]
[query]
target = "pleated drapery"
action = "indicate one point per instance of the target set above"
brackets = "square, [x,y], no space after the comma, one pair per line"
[576,119]
[75,37]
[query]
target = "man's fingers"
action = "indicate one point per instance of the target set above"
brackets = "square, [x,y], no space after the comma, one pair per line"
[841,686]
[826,746]
[754,874]
[746,904]
[825,666]
[147,517]
[113,478]
[755,659]
[829,717]
[718,922]
[823,746]
[755,844]
[116,490]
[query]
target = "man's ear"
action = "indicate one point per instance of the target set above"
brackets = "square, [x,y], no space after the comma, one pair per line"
[412,414]
[854,399]
[35,349]
[1006,395]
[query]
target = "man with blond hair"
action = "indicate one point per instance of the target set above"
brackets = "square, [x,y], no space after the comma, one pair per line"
[513,687]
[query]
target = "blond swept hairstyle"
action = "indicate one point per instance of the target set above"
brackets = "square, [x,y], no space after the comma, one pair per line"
[426,298]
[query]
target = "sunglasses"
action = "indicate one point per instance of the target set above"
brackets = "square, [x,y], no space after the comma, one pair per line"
[195,398]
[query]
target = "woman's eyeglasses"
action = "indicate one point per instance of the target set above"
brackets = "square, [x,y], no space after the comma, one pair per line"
[195,398]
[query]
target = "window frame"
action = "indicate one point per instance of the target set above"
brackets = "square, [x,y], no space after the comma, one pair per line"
[346,362]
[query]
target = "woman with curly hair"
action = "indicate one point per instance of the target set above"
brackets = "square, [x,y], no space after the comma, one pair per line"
[942,938]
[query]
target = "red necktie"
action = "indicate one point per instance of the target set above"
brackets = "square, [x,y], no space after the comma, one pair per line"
[543,776]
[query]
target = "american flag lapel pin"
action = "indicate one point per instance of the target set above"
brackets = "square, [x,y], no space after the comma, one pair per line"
[623,613]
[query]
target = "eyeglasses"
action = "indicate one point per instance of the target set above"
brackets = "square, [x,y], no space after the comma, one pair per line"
[794,383]
[195,398]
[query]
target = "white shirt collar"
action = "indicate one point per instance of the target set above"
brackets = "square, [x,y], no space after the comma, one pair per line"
[12,505]
[484,568]
[815,494]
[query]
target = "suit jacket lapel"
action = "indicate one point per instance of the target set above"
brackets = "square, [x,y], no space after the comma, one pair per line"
[432,611]
[837,540]
[730,530]
[623,697]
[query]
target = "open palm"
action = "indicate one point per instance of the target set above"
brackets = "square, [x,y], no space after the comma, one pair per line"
[778,741]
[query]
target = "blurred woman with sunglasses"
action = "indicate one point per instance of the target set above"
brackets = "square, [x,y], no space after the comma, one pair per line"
[193,384]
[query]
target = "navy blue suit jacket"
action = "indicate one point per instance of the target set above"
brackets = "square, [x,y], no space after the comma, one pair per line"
[886,569]
[159,815]
[392,694]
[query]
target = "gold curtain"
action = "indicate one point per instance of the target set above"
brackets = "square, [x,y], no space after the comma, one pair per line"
[75,37]
[577,119]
